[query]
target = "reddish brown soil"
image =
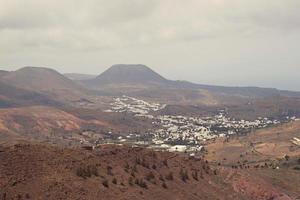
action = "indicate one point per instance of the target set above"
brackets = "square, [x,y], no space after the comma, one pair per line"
[34,171]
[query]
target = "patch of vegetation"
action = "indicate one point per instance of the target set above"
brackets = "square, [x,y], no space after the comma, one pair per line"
[164,185]
[145,164]
[105,183]
[109,171]
[183,175]
[141,183]
[161,178]
[165,162]
[195,175]
[296,168]
[169,176]
[132,174]
[137,161]
[126,167]
[87,171]
[150,176]
[130,181]
[154,167]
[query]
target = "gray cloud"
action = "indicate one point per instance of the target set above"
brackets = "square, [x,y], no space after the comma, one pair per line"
[206,36]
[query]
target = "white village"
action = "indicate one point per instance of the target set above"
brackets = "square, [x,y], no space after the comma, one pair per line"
[183,133]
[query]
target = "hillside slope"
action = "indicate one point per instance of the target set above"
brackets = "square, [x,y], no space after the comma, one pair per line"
[42,123]
[111,172]
[44,80]
[11,96]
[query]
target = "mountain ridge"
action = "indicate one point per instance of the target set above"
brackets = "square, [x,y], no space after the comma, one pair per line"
[138,75]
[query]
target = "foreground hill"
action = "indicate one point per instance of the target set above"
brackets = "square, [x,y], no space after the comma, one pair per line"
[30,171]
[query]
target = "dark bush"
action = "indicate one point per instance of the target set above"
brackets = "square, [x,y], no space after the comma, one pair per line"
[105,183]
[141,183]
[215,172]
[109,171]
[297,168]
[164,185]
[134,168]
[132,174]
[195,175]
[183,175]
[114,181]
[165,162]
[161,178]
[150,176]
[169,176]
[126,167]
[87,171]
[138,161]
[130,181]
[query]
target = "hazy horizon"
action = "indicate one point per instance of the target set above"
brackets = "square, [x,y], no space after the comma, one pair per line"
[218,42]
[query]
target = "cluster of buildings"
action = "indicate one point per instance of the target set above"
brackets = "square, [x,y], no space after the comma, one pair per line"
[184,133]
[138,107]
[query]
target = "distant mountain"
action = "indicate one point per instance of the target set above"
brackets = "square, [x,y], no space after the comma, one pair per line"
[39,79]
[44,81]
[127,74]
[79,77]
[140,80]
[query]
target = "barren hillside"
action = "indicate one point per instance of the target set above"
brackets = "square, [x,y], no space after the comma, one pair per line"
[31,171]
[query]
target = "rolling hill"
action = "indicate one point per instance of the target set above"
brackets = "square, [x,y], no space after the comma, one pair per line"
[43,81]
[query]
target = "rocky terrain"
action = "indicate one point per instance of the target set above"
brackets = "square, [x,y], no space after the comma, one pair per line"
[35,171]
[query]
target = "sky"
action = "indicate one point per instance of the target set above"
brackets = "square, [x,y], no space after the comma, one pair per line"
[219,42]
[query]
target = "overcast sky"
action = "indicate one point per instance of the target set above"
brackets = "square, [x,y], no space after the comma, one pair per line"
[220,42]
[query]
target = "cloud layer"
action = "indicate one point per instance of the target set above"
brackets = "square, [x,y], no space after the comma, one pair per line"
[195,36]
